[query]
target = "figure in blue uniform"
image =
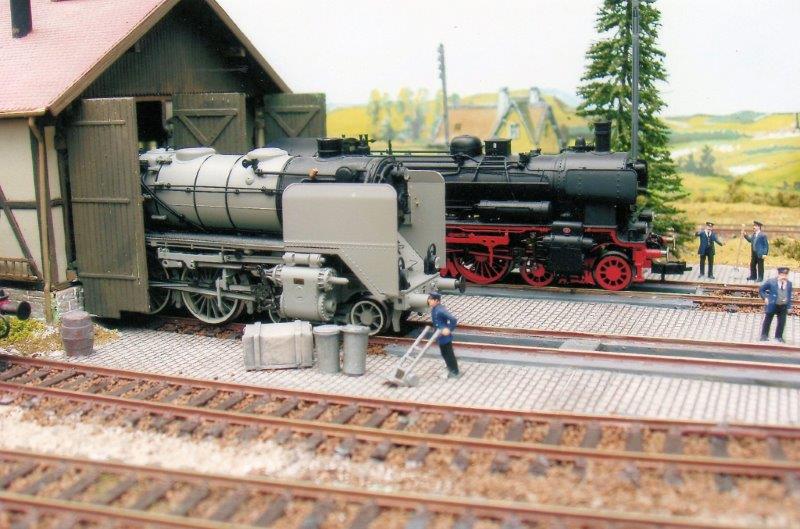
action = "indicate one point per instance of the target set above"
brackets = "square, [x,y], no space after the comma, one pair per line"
[446,323]
[707,249]
[777,295]
[759,249]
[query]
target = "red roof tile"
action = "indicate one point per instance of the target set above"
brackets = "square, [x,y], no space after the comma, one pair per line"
[68,39]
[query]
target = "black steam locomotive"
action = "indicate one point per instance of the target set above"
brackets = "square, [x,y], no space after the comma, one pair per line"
[569,218]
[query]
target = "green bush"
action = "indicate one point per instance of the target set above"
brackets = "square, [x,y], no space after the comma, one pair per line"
[22,330]
[737,193]
[787,247]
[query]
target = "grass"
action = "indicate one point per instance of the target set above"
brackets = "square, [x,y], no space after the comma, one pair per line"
[28,337]
[727,213]
[764,149]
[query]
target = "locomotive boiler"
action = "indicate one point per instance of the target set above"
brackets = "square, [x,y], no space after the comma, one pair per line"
[321,238]
[570,218]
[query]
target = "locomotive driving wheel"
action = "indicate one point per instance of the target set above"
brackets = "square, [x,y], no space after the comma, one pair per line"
[478,266]
[535,274]
[206,307]
[613,271]
[370,313]
[159,298]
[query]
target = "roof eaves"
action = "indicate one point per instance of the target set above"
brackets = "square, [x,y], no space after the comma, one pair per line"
[23,113]
[223,15]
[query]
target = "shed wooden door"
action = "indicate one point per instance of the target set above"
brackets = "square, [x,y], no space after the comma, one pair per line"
[294,115]
[106,202]
[210,120]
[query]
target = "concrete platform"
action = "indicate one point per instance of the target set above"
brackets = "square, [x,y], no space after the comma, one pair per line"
[612,319]
[482,384]
[726,274]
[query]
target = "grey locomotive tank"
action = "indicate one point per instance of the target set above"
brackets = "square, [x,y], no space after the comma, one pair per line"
[201,189]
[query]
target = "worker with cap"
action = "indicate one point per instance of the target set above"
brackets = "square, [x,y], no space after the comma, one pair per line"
[707,250]
[759,245]
[446,323]
[777,295]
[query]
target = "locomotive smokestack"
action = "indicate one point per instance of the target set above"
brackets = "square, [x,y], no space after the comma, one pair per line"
[21,22]
[602,136]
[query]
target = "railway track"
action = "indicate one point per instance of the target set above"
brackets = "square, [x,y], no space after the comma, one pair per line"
[722,297]
[707,359]
[700,345]
[407,432]
[76,491]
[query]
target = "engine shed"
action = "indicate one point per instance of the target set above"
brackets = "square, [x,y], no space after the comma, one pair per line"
[87,85]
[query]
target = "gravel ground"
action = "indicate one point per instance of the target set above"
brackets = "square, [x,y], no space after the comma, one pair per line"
[756,502]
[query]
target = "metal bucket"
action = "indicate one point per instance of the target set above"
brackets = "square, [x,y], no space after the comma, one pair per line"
[326,348]
[77,333]
[355,349]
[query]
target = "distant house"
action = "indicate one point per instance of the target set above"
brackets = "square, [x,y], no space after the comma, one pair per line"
[86,84]
[528,120]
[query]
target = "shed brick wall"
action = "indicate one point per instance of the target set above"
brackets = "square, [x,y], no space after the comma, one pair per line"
[63,301]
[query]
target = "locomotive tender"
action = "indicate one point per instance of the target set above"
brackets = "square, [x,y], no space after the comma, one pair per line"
[316,238]
[566,218]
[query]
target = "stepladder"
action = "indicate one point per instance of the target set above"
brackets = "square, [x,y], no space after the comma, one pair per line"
[403,372]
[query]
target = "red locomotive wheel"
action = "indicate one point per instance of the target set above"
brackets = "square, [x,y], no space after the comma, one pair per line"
[613,272]
[535,273]
[476,266]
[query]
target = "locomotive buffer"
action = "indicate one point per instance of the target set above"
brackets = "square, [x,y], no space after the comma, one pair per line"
[403,375]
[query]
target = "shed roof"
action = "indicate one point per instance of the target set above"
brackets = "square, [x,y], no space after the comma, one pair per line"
[73,42]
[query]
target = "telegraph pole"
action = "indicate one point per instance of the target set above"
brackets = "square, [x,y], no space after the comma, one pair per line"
[443,77]
[635,80]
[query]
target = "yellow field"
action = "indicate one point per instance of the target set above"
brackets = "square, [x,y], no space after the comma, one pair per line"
[736,249]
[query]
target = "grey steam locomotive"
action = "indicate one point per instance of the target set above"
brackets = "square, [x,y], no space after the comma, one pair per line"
[321,239]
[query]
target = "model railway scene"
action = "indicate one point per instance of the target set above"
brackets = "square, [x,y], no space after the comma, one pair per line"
[243,284]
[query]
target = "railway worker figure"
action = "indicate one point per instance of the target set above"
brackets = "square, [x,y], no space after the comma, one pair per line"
[759,249]
[446,323]
[707,250]
[777,294]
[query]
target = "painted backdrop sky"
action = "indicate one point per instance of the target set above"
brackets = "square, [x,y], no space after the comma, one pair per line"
[722,55]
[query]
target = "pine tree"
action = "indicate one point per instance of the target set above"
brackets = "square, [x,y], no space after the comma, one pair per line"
[606,94]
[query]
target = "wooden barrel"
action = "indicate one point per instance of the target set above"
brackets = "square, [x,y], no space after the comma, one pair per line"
[77,333]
